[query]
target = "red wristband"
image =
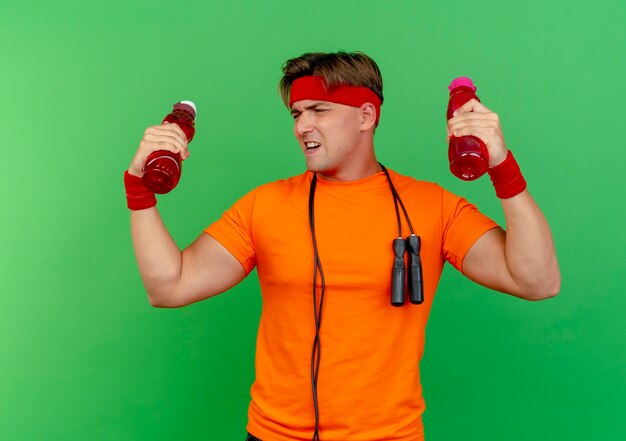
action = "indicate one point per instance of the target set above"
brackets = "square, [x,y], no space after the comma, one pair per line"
[507,178]
[138,197]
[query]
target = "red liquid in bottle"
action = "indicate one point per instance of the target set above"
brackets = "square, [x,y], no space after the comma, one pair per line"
[468,155]
[163,168]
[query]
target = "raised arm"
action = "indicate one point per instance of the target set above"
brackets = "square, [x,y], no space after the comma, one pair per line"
[521,261]
[173,278]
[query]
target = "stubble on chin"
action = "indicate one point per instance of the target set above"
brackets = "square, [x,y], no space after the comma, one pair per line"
[315,166]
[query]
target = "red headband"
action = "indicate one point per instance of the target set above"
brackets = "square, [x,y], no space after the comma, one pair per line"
[314,88]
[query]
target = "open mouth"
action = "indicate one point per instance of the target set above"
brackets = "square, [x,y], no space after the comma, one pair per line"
[311,146]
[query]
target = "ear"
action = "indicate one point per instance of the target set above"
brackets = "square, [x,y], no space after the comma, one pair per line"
[368,116]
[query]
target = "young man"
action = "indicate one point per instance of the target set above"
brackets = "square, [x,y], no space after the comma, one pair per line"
[322,245]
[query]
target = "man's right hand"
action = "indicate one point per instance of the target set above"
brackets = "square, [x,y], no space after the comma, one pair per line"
[168,137]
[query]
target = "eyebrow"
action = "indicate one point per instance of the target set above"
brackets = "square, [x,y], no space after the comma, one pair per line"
[310,106]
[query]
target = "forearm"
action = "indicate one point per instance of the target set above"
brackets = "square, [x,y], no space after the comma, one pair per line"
[158,256]
[521,261]
[529,248]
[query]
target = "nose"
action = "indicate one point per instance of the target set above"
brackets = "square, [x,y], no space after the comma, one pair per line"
[303,124]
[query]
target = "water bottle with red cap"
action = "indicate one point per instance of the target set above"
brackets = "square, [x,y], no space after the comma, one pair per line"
[163,168]
[468,155]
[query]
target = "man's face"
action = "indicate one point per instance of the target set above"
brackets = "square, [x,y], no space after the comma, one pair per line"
[329,135]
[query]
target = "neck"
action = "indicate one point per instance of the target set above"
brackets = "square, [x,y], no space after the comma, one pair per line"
[352,174]
[361,164]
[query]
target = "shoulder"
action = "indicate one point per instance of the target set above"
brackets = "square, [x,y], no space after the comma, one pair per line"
[409,184]
[427,194]
[284,187]
[276,193]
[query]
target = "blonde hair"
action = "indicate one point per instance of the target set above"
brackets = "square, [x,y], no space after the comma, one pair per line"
[350,68]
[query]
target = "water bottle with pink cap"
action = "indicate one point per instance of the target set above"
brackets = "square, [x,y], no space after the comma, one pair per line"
[468,155]
[163,168]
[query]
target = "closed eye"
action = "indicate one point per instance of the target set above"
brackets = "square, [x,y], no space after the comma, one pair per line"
[317,110]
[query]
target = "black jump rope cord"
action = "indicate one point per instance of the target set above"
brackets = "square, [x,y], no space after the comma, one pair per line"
[317,344]
[400,246]
[410,245]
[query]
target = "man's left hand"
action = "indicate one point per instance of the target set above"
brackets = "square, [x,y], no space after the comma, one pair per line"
[473,118]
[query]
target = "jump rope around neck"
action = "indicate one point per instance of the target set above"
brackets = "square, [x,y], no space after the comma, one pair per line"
[400,278]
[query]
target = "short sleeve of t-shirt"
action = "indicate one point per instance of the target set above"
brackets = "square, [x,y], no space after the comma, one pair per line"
[234,231]
[463,225]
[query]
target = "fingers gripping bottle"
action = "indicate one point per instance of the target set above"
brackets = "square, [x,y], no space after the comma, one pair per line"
[468,155]
[163,168]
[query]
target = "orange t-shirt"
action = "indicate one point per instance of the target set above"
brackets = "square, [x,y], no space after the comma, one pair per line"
[369,384]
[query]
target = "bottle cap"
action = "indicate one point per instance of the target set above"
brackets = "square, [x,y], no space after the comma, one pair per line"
[462,81]
[187,105]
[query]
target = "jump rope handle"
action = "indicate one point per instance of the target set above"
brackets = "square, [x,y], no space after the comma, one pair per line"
[398,275]
[416,282]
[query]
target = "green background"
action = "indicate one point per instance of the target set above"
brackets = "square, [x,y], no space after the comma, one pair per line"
[83,356]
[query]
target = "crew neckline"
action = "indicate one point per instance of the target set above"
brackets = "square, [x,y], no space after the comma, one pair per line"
[378,179]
